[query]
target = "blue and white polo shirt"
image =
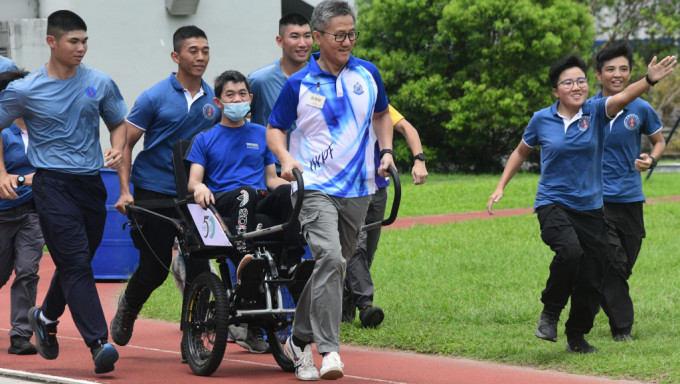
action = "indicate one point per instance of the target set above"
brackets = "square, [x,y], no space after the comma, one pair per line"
[571,155]
[334,140]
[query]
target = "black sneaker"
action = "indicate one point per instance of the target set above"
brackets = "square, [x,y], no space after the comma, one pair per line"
[547,326]
[254,342]
[123,322]
[21,345]
[45,334]
[623,337]
[371,316]
[576,343]
[104,356]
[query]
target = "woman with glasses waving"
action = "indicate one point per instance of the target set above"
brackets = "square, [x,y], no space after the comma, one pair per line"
[568,203]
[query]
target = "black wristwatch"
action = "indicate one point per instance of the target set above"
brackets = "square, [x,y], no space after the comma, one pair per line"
[420,156]
[654,162]
[21,179]
[384,151]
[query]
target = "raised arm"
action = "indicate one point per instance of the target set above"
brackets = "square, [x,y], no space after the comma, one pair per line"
[514,163]
[655,72]
[419,170]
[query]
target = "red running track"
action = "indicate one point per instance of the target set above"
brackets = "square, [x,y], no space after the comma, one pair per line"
[153,355]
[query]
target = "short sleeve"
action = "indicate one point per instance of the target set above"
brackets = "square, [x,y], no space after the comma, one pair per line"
[197,152]
[113,108]
[284,111]
[530,136]
[142,112]
[10,106]
[652,124]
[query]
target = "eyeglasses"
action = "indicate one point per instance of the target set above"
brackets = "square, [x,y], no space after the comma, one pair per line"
[340,37]
[569,83]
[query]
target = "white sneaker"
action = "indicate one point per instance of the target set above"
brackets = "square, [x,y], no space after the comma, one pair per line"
[304,361]
[331,366]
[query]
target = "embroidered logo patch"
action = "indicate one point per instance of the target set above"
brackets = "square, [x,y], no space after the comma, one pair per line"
[209,111]
[90,91]
[632,122]
[584,123]
[358,89]
[252,146]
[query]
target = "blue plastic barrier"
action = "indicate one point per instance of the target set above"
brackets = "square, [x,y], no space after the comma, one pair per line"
[116,258]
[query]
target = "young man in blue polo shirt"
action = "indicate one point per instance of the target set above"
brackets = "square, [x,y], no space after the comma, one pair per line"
[21,240]
[295,40]
[176,108]
[339,107]
[232,168]
[61,104]
[623,198]
[568,204]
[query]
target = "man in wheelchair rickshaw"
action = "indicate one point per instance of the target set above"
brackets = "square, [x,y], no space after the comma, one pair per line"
[231,217]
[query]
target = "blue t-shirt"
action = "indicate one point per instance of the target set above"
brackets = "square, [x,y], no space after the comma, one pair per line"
[334,140]
[571,159]
[16,163]
[622,182]
[7,64]
[163,112]
[62,117]
[265,85]
[232,157]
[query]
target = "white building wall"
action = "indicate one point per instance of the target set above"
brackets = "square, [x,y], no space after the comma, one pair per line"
[131,40]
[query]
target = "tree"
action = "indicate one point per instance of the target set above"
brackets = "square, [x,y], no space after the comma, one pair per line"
[469,73]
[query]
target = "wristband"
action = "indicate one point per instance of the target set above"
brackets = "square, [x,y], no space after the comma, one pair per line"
[384,151]
[654,162]
[652,83]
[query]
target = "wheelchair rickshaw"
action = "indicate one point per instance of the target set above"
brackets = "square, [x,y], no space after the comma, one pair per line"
[263,296]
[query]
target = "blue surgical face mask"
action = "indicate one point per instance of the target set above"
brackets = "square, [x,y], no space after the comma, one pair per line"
[236,111]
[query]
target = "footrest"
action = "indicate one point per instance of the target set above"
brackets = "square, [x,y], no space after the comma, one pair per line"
[252,276]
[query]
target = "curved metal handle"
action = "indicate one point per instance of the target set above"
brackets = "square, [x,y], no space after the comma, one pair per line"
[396,183]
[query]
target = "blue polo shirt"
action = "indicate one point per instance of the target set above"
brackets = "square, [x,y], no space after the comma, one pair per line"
[7,64]
[16,163]
[571,157]
[62,117]
[232,157]
[334,140]
[265,85]
[164,115]
[622,182]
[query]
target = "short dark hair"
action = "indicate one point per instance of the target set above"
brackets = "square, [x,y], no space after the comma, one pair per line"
[186,32]
[562,65]
[62,22]
[613,51]
[292,19]
[328,9]
[227,76]
[9,76]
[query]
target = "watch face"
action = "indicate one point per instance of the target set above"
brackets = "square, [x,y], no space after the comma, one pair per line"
[21,180]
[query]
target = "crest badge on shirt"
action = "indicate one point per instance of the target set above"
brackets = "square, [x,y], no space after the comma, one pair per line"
[358,89]
[209,111]
[632,122]
[90,92]
[584,123]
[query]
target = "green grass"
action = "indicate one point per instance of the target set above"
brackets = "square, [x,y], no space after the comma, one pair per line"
[472,289]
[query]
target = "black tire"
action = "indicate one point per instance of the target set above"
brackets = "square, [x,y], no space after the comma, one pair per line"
[206,320]
[280,356]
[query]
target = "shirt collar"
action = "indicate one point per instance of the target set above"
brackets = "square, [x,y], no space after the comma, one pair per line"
[315,70]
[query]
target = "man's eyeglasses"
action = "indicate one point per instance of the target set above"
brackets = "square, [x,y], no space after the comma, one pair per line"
[582,82]
[340,37]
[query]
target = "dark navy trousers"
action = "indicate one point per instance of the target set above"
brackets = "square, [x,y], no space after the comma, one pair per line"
[72,214]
